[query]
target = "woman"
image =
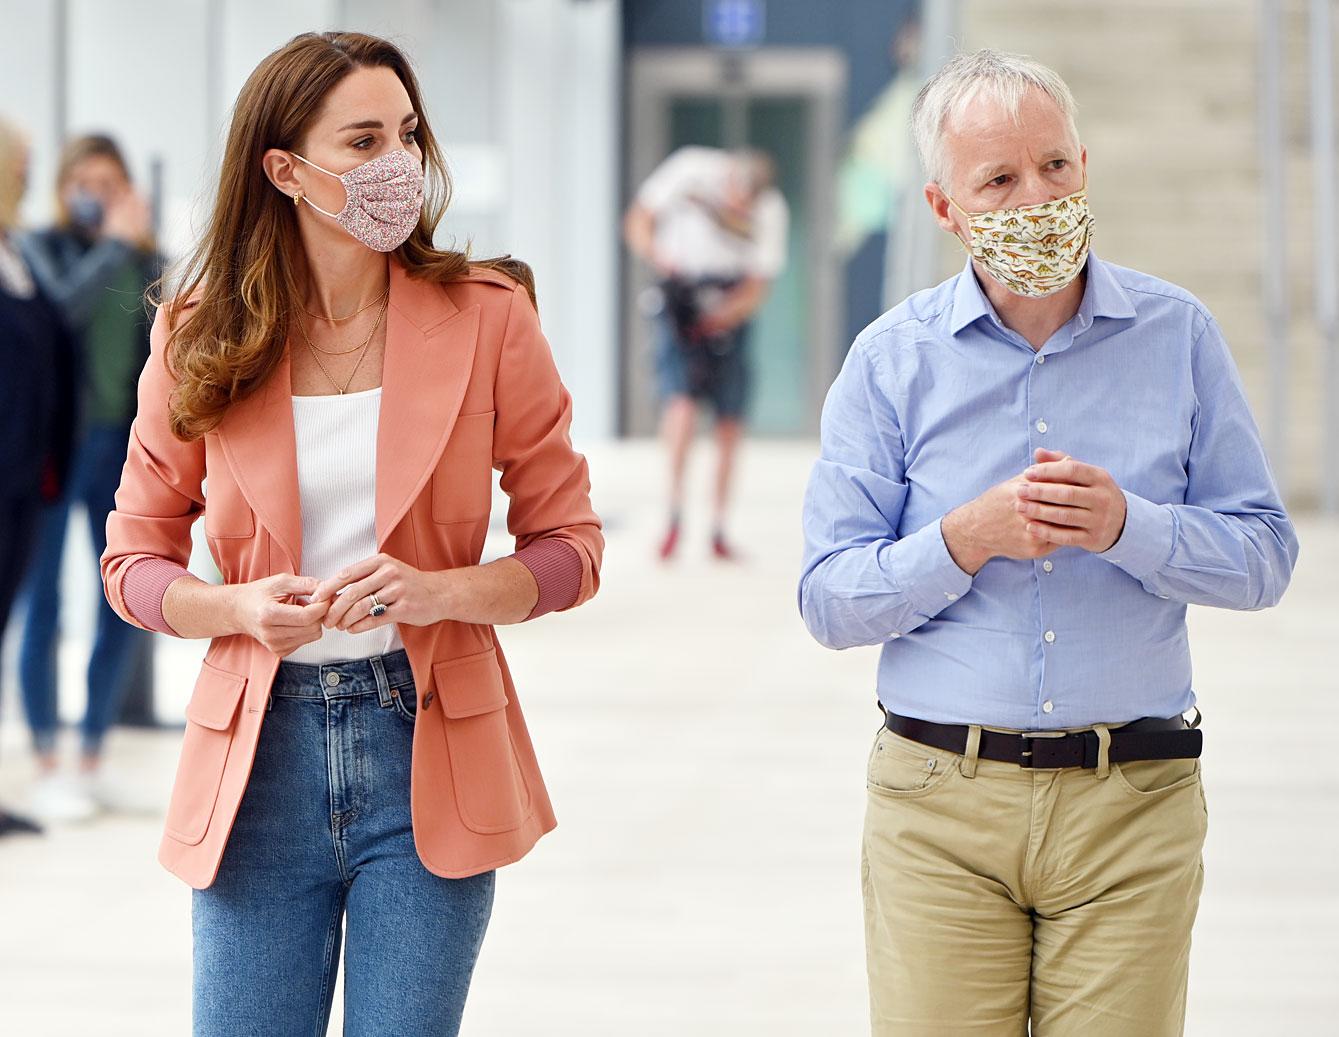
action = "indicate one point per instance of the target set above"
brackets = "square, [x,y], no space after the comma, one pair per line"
[95,264]
[354,749]
[36,398]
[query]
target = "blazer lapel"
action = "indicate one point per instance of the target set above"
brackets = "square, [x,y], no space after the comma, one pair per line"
[261,447]
[430,345]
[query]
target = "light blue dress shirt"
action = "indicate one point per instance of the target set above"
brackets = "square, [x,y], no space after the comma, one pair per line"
[936,402]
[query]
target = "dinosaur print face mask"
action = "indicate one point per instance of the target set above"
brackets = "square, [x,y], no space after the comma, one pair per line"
[1033,250]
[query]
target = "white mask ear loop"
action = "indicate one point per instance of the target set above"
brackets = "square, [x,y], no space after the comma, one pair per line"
[327,172]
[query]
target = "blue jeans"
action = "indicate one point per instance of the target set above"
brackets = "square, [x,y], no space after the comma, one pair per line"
[95,473]
[323,839]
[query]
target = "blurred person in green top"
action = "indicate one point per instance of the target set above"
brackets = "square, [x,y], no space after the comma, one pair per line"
[95,264]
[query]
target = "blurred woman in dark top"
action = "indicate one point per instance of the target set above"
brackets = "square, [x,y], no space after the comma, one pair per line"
[95,264]
[36,398]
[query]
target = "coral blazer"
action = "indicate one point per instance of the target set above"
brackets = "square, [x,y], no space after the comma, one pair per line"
[469,385]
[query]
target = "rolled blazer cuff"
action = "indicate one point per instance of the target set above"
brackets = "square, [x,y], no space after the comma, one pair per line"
[556,567]
[143,586]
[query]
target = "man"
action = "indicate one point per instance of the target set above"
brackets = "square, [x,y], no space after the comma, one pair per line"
[714,227]
[1027,473]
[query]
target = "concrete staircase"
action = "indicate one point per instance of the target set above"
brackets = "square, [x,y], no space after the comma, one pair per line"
[1167,99]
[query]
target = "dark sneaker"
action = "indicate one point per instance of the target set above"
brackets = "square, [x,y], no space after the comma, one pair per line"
[15,824]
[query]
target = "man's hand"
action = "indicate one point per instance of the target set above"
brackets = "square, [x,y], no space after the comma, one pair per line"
[1071,504]
[990,526]
[414,597]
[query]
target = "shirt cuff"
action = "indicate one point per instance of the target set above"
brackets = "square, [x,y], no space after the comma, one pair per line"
[1146,542]
[142,589]
[556,566]
[924,569]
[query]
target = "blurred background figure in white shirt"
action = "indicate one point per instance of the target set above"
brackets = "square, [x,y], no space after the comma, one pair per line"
[713,226]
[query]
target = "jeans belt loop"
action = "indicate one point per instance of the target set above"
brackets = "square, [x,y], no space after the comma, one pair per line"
[1103,751]
[972,749]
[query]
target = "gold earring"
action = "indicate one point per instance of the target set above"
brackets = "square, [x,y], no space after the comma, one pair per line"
[297,197]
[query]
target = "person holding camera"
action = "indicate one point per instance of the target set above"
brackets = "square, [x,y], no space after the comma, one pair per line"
[713,226]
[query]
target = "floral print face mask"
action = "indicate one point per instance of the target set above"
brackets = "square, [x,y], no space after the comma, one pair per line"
[383,199]
[1033,250]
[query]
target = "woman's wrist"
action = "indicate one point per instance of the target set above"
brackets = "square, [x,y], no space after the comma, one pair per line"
[446,593]
[194,608]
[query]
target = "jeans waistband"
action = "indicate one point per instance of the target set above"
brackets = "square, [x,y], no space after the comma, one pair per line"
[342,678]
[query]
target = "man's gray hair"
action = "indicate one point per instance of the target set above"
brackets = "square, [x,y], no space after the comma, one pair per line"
[1005,77]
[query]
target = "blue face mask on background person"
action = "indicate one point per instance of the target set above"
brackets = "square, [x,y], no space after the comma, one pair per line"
[85,212]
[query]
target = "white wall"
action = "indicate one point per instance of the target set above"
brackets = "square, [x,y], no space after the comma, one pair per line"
[522,93]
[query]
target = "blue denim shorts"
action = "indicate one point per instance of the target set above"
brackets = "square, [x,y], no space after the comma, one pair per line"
[323,841]
[728,382]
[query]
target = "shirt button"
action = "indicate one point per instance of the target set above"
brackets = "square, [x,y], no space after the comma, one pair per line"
[894,635]
[951,597]
[1050,636]
[1047,706]
[1041,426]
[332,678]
[1041,359]
[1047,565]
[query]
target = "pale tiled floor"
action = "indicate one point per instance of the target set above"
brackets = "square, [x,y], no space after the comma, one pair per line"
[706,761]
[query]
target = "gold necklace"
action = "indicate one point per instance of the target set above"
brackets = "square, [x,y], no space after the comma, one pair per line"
[327,352]
[348,381]
[336,320]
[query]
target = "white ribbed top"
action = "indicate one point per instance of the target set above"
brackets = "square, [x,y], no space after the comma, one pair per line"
[337,479]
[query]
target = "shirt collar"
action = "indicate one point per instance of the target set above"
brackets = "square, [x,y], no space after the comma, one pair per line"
[1103,296]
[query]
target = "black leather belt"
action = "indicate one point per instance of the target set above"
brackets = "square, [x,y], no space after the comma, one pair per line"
[1152,738]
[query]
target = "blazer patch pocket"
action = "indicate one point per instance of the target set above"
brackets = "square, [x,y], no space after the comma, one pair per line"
[491,793]
[210,716]
[462,481]
[227,513]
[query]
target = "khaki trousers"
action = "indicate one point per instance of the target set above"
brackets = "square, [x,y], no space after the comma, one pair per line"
[996,895]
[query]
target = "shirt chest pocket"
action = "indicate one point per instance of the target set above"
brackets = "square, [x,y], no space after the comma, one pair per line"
[462,481]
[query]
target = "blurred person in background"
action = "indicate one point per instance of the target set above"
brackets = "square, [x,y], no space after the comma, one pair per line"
[95,263]
[879,163]
[1027,474]
[37,399]
[713,226]
[355,751]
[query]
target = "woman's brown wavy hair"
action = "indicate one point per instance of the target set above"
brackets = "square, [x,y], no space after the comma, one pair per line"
[249,264]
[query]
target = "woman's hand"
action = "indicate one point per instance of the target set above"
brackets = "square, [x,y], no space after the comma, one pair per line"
[263,610]
[128,217]
[412,595]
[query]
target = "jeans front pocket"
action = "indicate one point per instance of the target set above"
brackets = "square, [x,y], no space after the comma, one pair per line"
[404,699]
[902,768]
[1151,778]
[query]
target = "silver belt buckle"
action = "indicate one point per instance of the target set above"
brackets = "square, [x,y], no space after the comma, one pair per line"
[1025,754]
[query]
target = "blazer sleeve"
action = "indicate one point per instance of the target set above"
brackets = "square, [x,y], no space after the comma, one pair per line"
[558,535]
[157,502]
